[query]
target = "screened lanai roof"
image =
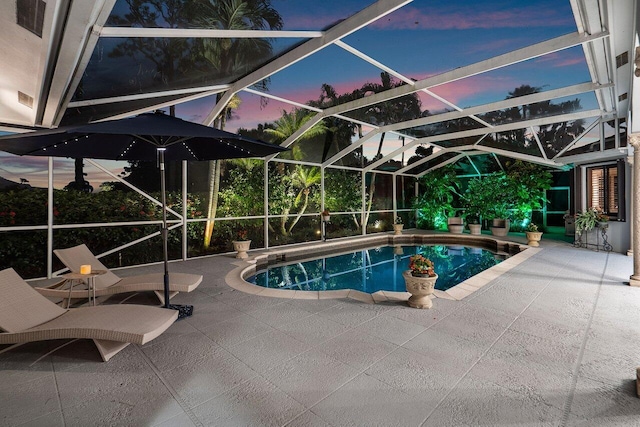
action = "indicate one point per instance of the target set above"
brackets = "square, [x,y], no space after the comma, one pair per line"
[403,86]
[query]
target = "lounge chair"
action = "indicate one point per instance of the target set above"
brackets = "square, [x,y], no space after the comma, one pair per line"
[111,284]
[27,316]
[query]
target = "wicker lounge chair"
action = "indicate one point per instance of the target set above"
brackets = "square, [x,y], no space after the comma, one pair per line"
[111,284]
[27,316]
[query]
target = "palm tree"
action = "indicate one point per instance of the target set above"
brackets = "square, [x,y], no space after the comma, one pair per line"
[398,110]
[232,57]
[289,124]
[339,132]
[303,178]
[215,173]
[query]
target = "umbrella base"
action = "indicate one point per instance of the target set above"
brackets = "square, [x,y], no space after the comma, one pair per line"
[183,310]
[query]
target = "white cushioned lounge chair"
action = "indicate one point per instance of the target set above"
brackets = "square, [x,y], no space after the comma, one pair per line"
[27,316]
[111,284]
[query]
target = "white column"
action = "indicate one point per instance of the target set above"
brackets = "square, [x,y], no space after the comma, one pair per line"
[634,140]
[631,205]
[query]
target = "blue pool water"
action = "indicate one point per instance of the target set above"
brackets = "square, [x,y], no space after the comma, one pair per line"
[372,270]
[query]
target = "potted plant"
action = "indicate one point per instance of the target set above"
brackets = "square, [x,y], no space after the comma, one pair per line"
[500,223]
[474,225]
[586,221]
[455,224]
[420,281]
[241,244]
[533,235]
[397,225]
[601,218]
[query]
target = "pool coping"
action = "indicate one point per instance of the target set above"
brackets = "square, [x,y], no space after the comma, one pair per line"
[245,268]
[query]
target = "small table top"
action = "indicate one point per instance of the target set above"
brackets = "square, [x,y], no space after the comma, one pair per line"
[75,275]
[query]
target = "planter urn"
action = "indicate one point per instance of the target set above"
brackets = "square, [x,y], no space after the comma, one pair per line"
[397,228]
[241,246]
[475,229]
[500,227]
[533,237]
[420,289]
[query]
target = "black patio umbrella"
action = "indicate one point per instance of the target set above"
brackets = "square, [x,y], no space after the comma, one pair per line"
[149,136]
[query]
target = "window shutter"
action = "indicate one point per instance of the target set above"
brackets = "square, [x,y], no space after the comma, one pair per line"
[622,207]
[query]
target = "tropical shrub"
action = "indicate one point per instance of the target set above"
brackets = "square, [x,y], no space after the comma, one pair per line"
[439,189]
[512,194]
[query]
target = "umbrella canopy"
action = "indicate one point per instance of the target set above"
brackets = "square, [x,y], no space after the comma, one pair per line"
[150,136]
[137,138]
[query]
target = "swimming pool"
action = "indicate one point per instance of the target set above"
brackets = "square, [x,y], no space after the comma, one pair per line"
[376,269]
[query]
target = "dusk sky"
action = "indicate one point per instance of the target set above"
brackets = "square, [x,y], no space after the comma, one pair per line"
[422,39]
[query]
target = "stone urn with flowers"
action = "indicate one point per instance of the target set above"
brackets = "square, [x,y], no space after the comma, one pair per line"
[398,225]
[533,235]
[420,281]
[241,244]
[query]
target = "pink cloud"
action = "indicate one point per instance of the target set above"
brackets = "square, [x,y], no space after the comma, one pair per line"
[409,18]
[568,62]
[251,112]
[499,45]
[430,103]
[456,92]
[563,59]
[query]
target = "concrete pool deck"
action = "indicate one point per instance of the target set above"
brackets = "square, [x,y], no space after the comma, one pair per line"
[553,341]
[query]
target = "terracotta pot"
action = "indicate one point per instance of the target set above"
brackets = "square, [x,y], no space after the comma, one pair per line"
[420,289]
[242,246]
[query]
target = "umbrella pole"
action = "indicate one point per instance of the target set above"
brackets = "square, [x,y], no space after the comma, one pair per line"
[165,234]
[183,310]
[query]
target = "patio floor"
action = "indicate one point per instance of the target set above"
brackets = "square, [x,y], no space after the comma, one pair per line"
[554,341]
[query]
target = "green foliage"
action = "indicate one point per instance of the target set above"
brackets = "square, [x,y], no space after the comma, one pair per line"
[435,203]
[26,206]
[289,123]
[292,189]
[343,191]
[26,251]
[513,194]
[487,197]
[243,189]
[588,219]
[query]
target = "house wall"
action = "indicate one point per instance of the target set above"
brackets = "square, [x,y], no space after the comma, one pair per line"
[618,232]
